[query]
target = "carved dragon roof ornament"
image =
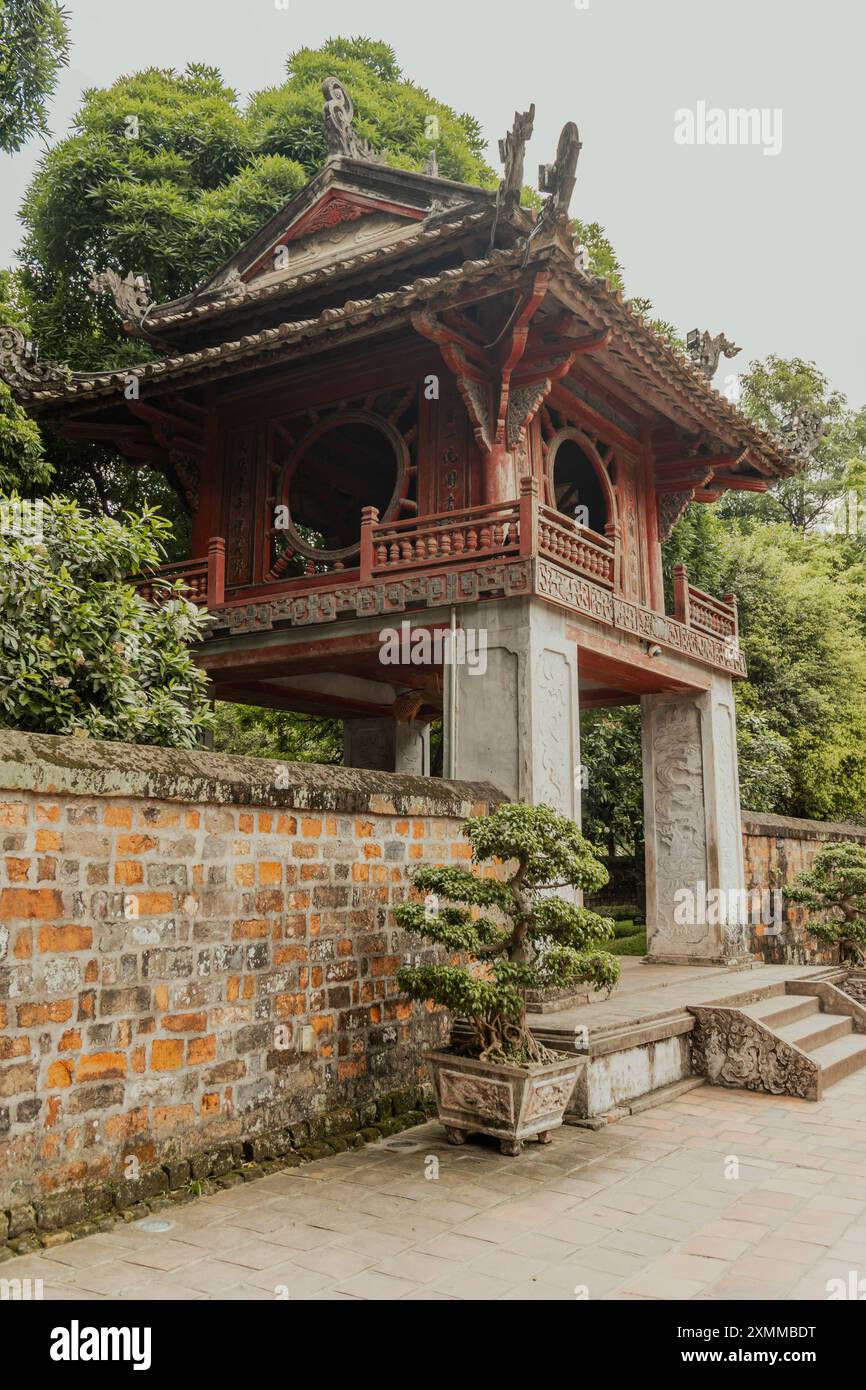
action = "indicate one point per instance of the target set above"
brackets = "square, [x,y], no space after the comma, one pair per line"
[512,152]
[338,112]
[706,352]
[802,435]
[20,365]
[559,179]
[131,293]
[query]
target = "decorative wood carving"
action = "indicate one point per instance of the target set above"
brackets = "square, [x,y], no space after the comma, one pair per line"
[186,471]
[241,471]
[333,211]
[730,1049]
[804,433]
[671,506]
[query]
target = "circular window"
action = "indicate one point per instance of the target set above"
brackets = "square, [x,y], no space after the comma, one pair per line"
[577,488]
[345,463]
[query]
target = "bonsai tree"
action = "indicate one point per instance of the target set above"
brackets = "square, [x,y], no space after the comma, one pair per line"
[518,933]
[835,887]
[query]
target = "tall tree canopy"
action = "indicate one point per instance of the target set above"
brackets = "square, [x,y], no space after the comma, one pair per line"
[34,46]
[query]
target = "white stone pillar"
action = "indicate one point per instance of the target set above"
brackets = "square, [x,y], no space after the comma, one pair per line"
[692,825]
[514,723]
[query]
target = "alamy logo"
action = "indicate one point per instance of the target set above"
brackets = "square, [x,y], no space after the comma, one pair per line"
[465,646]
[712,125]
[23,519]
[77,1343]
[21,1290]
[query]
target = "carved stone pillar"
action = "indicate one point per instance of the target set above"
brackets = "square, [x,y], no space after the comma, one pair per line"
[694,848]
[515,723]
[387,745]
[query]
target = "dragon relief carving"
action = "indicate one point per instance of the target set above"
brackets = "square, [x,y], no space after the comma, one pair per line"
[706,351]
[20,365]
[338,114]
[131,293]
[731,1049]
[493,1100]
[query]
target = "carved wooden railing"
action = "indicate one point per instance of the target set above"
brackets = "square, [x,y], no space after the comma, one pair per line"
[576,547]
[203,578]
[488,532]
[715,616]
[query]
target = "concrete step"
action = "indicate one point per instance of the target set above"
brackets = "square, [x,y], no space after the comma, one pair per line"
[840,1058]
[816,1030]
[780,1009]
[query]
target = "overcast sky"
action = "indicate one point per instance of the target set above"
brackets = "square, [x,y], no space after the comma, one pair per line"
[767,247]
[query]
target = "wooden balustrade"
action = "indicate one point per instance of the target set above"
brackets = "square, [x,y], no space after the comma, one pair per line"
[203,578]
[716,616]
[476,533]
[576,547]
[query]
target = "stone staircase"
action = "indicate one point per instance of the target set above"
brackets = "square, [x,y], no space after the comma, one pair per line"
[797,1039]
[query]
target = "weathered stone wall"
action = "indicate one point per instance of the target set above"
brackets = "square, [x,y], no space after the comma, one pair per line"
[170,922]
[776,849]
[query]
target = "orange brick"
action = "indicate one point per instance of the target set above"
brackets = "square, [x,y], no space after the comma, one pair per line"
[266,822]
[287,825]
[68,938]
[17,870]
[59,1074]
[351,1069]
[361,873]
[164,819]
[118,815]
[184,1023]
[363,829]
[154,904]
[245,823]
[52,1111]
[127,871]
[461,851]
[70,1041]
[48,839]
[201,1050]
[311,827]
[416,851]
[31,1015]
[171,1117]
[270,872]
[321,1023]
[136,844]
[100,1066]
[13,814]
[46,812]
[13,1047]
[192,820]
[160,996]
[2,1015]
[289,1005]
[166,1054]
[401,827]
[137,1060]
[23,948]
[419,829]
[253,930]
[42,903]
[372,851]
[210,1103]
[245,875]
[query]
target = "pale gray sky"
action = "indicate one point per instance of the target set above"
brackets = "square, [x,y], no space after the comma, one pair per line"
[720,236]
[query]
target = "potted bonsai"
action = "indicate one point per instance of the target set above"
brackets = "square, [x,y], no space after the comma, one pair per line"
[835,888]
[511,934]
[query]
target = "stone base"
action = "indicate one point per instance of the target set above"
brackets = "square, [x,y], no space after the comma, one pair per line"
[551,1001]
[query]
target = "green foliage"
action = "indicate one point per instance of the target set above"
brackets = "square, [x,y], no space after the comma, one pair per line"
[610,750]
[80,652]
[530,939]
[34,46]
[270,733]
[775,392]
[835,888]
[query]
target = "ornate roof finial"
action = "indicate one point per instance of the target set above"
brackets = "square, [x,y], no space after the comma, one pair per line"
[802,435]
[705,351]
[131,295]
[340,138]
[20,365]
[512,152]
[558,179]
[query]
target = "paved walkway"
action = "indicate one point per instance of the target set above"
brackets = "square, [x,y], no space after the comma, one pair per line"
[641,1209]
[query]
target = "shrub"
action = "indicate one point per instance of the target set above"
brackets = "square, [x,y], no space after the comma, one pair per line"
[835,887]
[520,934]
[81,652]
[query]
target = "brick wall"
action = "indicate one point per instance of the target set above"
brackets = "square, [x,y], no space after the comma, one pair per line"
[776,849]
[169,922]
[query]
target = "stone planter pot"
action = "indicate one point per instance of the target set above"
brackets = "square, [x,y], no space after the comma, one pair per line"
[511,1103]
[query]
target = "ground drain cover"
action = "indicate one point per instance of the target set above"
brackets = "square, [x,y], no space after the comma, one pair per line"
[404,1145]
[154,1223]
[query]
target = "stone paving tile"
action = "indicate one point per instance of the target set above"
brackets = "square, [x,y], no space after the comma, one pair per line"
[640,1210]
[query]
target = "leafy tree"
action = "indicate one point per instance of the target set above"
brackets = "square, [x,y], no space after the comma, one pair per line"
[81,652]
[23,465]
[776,393]
[610,752]
[270,733]
[34,46]
[835,888]
[520,934]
